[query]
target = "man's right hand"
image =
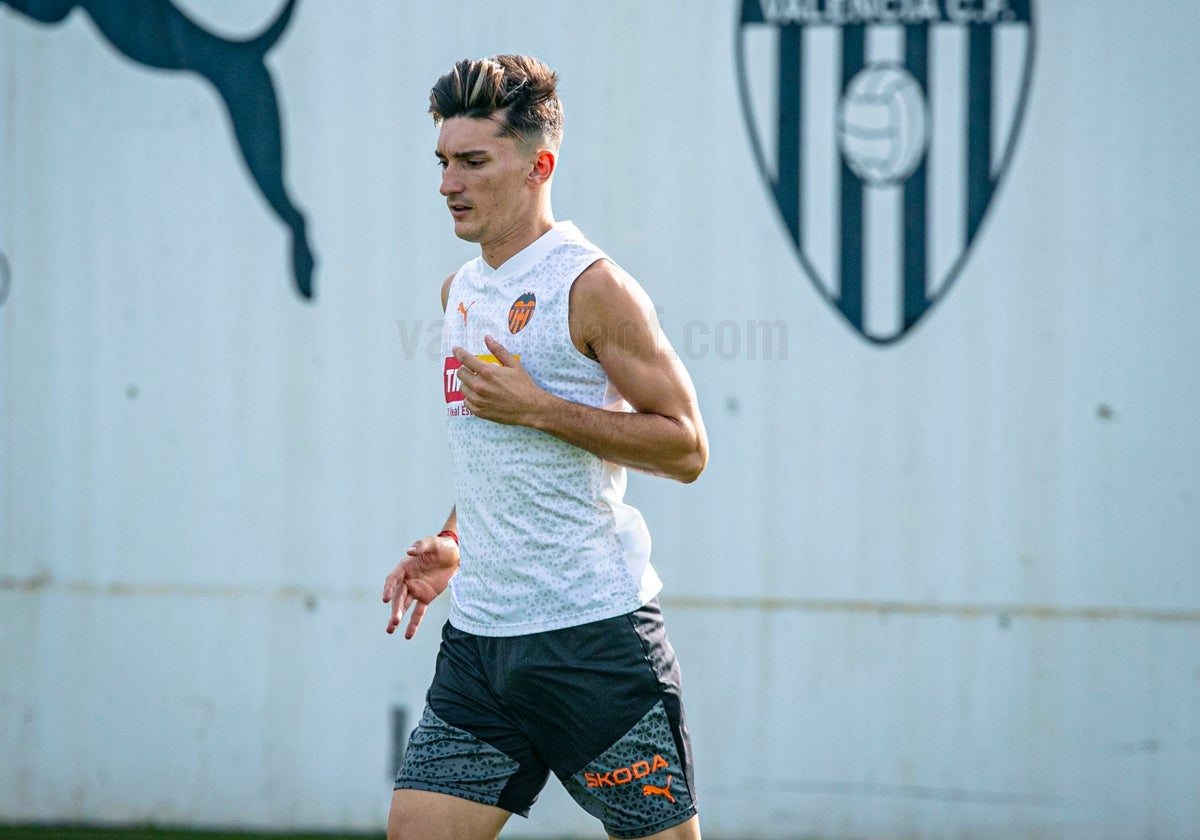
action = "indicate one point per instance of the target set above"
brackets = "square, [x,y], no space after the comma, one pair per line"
[420,577]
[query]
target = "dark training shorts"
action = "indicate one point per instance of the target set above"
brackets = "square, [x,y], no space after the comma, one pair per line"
[598,704]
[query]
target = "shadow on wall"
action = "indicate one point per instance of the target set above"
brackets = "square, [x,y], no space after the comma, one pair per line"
[4,278]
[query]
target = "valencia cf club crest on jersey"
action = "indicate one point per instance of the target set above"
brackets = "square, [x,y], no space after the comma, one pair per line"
[883,129]
[520,313]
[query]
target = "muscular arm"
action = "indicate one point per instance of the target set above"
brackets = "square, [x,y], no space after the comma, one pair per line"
[612,320]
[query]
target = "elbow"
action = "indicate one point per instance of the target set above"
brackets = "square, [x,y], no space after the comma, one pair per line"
[688,468]
[689,474]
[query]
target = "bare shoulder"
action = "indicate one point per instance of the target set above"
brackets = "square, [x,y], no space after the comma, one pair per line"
[607,303]
[446,289]
[604,285]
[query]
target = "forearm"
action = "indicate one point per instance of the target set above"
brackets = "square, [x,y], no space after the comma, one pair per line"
[653,443]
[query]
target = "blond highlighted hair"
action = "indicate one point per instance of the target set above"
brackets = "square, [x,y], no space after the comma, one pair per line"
[521,90]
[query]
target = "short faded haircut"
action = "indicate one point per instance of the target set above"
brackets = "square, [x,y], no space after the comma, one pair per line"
[522,90]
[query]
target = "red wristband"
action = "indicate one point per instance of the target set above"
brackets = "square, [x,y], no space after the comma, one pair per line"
[449,534]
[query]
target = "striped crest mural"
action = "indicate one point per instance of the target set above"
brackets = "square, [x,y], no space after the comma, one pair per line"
[883,129]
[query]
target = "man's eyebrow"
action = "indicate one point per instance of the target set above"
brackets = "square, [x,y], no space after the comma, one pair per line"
[469,153]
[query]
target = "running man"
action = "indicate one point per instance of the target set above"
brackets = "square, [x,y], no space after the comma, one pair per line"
[557,378]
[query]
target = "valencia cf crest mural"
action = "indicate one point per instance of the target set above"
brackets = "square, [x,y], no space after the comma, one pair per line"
[883,129]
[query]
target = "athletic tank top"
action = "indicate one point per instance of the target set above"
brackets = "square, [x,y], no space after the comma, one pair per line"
[545,538]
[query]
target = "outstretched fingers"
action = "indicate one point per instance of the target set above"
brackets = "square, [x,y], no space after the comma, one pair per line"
[414,620]
[396,593]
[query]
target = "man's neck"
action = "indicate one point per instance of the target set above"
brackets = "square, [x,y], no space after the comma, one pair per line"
[496,253]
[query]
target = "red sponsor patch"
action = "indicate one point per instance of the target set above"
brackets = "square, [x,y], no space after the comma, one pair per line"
[450,380]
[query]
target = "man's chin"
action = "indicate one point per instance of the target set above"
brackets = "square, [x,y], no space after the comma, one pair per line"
[466,232]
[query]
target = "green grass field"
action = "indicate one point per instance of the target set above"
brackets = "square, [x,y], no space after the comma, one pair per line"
[29,832]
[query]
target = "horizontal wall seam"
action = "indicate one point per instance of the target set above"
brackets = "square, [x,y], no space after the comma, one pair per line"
[1038,612]
[999,611]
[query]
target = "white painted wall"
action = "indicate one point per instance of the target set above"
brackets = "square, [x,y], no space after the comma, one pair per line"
[947,588]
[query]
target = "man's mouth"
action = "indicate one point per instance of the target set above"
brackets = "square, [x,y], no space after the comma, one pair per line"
[457,208]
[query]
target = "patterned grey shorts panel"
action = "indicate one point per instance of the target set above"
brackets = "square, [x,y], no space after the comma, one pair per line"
[445,759]
[638,786]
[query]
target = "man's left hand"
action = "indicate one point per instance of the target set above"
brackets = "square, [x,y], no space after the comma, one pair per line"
[503,392]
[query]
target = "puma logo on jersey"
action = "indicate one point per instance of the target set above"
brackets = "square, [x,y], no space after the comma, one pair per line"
[464,309]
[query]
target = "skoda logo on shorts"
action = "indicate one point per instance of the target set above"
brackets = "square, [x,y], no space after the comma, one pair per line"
[883,129]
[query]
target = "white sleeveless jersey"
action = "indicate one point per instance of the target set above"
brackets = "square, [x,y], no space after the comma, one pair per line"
[545,538]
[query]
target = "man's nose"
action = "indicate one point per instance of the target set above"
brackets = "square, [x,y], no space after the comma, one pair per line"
[450,183]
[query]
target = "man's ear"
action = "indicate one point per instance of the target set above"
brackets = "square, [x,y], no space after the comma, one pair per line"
[543,166]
